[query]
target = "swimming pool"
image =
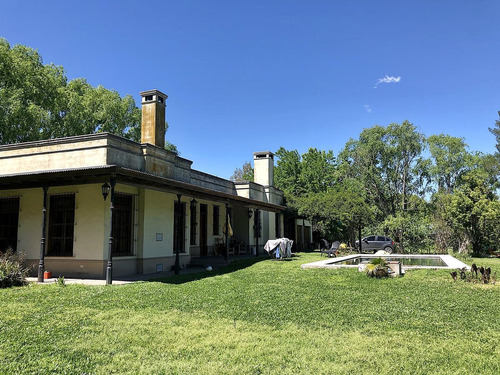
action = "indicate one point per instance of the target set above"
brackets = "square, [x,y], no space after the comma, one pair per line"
[408,261]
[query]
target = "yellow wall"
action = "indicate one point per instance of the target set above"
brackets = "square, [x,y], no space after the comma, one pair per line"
[154,214]
[158,218]
[88,231]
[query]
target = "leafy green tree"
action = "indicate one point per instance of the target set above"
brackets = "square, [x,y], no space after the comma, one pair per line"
[37,102]
[287,171]
[297,175]
[496,132]
[336,214]
[412,228]
[388,163]
[29,94]
[317,171]
[84,109]
[245,173]
[303,179]
[450,161]
[472,213]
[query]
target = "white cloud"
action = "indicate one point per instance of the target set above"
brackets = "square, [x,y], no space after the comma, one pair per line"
[387,79]
[367,107]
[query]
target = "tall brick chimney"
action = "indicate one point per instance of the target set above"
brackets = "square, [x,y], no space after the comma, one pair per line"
[153,117]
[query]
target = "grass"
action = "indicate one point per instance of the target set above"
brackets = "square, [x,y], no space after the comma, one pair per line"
[257,317]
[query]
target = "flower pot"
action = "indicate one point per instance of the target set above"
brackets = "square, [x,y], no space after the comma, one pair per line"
[47,275]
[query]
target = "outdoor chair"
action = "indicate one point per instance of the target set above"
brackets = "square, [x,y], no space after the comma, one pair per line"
[323,244]
[332,251]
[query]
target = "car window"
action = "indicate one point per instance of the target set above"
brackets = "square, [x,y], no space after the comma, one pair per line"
[379,238]
[371,238]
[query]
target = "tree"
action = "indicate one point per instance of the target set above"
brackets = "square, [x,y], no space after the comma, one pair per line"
[287,171]
[297,175]
[37,102]
[337,213]
[472,212]
[29,94]
[450,161]
[496,132]
[388,163]
[245,173]
[84,109]
[317,171]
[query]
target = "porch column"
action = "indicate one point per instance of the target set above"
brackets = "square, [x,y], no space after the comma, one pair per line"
[257,231]
[226,253]
[177,235]
[109,267]
[41,263]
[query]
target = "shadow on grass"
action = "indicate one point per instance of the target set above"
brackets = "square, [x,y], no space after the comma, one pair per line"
[203,274]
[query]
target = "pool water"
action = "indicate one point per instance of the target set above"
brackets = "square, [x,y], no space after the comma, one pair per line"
[405,261]
[408,261]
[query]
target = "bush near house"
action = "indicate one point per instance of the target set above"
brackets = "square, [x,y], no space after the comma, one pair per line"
[12,269]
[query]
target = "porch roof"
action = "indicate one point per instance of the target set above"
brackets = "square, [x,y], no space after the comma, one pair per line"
[102,174]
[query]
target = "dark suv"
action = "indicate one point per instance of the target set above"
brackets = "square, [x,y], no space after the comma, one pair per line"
[376,243]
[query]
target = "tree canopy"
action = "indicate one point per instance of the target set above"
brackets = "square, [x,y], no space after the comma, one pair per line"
[244,173]
[427,193]
[37,102]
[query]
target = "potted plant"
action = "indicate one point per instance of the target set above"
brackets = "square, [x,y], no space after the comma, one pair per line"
[377,268]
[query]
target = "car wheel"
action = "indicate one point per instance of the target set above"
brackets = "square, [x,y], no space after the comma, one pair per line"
[388,249]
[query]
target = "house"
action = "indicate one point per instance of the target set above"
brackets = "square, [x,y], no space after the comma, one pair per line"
[101,206]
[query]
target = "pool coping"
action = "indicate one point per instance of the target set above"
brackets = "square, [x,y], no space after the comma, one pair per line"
[451,262]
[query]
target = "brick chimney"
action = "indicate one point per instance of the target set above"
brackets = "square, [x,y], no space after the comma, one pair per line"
[153,117]
[263,163]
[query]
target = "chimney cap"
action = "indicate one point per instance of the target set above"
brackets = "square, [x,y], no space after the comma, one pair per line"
[153,92]
[263,154]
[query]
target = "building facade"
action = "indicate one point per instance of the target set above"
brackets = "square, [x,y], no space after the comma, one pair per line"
[69,203]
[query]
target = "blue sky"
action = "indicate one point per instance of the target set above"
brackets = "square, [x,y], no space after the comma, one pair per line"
[246,76]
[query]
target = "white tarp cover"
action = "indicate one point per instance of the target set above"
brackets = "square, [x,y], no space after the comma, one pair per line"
[282,246]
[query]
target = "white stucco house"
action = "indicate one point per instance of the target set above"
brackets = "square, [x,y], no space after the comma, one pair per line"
[52,204]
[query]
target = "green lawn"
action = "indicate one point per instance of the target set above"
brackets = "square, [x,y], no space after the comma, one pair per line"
[266,317]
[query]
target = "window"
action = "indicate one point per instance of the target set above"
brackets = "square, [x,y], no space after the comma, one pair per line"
[179,226]
[123,225]
[257,225]
[371,238]
[192,239]
[61,225]
[216,222]
[9,220]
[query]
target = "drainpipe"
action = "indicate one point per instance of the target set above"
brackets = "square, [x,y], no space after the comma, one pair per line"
[41,263]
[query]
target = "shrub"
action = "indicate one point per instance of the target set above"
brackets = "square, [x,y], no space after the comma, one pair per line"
[377,268]
[12,269]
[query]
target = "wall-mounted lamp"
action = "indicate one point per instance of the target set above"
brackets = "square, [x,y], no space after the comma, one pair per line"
[250,213]
[193,203]
[105,190]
